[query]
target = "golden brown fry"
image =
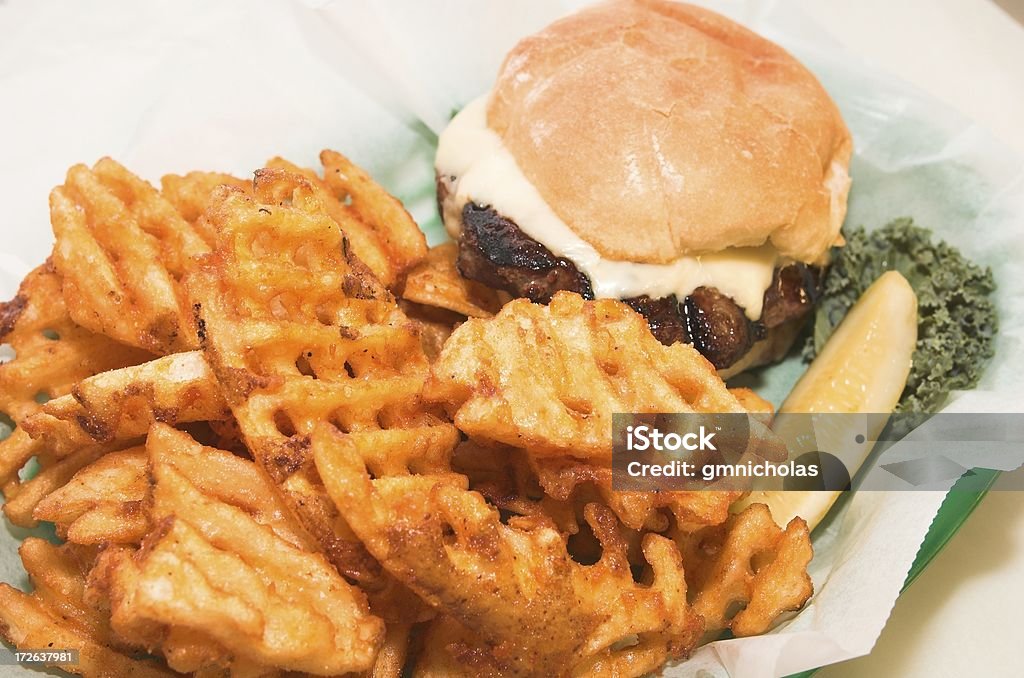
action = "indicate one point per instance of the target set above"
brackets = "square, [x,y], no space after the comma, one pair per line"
[106,412]
[437,283]
[195,653]
[229,479]
[750,563]
[178,243]
[120,250]
[103,502]
[538,611]
[122,404]
[557,486]
[391,659]
[57,614]
[52,353]
[51,476]
[379,230]
[548,378]
[378,209]
[433,325]
[220,476]
[450,650]
[15,453]
[191,652]
[190,195]
[298,331]
[504,476]
[213,568]
[752,402]
[58,575]
[561,478]
[245,610]
[27,623]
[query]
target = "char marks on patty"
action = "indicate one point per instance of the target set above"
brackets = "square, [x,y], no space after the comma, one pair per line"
[718,327]
[493,250]
[665,317]
[794,291]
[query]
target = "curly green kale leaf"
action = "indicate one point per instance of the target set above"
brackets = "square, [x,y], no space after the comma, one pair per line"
[957,320]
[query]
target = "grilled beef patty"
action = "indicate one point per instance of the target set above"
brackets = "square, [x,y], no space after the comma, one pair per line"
[495,251]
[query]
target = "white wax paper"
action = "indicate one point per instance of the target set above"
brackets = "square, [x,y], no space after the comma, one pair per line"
[170,87]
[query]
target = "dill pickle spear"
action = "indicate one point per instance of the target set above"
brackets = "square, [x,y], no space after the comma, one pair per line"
[862,369]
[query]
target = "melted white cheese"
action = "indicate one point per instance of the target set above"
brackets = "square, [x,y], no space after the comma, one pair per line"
[480,169]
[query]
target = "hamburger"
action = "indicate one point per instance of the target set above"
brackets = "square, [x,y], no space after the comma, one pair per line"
[657,153]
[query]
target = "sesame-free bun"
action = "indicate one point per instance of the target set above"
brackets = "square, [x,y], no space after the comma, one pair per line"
[656,129]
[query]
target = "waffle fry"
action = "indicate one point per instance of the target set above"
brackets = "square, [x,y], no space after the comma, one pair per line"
[562,478]
[122,404]
[103,502]
[120,250]
[394,227]
[190,195]
[27,622]
[450,650]
[753,403]
[504,477]
[228,479]
[299,331]
[393,654]
[213,568]
[51,475]
[108,412]
[749,562]
[51,354]
[436,282]
[433,325]
[193,653]
[58,614]
[58,575]
[504,581]
[218,475]
[548,378]
[379,230]
[437,299]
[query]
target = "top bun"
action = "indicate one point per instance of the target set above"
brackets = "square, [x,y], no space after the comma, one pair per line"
[656,129]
